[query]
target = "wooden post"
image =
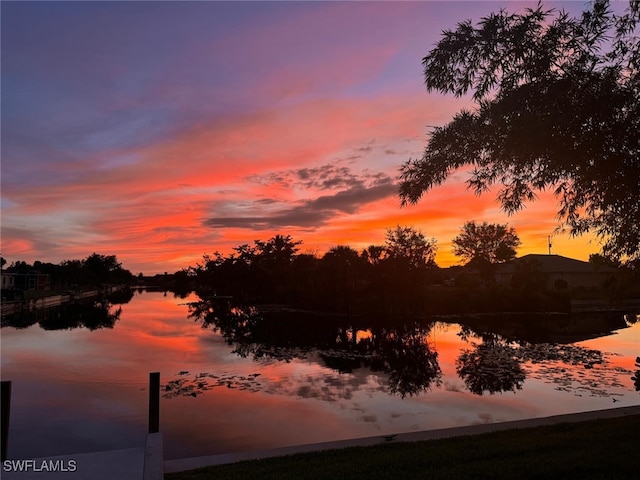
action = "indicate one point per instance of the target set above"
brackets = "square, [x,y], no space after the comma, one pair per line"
[154,402]
[6,407]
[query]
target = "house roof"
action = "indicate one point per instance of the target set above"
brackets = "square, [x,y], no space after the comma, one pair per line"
[556,264]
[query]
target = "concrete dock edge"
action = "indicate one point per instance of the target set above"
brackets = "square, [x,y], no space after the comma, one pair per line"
[153,458]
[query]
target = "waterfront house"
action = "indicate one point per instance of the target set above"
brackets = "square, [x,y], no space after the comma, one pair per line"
[558,271]
[32,280]
[8,281]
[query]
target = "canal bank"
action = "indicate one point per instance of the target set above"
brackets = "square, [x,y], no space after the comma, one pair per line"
[145,462]
[36,300]
[205,461]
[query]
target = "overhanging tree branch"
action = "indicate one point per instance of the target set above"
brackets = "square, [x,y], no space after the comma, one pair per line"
[558,108]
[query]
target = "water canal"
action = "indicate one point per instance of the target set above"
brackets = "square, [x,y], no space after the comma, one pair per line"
[237,379]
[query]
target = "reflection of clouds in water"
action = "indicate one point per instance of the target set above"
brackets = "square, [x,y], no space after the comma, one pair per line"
[326,387]
[571,368]
[594,382]
[269,354]
[401,361]
[486,417]
[341,391]
[454,387]
[369,418]
[574,369]
[498,365]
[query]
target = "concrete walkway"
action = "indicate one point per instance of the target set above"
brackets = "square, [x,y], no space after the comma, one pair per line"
[142,463]
[198,462]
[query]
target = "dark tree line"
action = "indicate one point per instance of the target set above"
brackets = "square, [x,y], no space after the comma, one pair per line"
[397,278]
[93,271]
[387,279]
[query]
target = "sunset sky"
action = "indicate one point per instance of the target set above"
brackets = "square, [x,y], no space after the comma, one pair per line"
[160,131]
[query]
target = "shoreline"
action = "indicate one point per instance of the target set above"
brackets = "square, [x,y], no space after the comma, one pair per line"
[184,464]
[53,299]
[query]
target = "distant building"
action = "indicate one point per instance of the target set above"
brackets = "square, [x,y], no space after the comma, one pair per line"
[8,281]
[557,271]
[26,281]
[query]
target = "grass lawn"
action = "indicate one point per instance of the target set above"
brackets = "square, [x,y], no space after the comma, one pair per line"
[597,449]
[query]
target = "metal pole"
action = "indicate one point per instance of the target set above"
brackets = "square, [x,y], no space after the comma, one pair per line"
[154,402]
[6,407]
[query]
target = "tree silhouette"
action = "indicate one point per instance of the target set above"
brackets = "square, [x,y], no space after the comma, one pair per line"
[411,246]
[341,269]
[490,243]
[102,268]
[258,272]
[94,271]
[279,250]
[485,245]
[374,254]
[558,107]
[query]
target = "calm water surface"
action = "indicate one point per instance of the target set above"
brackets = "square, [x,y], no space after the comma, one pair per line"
[228,386]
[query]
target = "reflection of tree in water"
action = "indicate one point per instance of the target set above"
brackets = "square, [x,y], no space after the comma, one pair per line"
[332,388]
[96,314]
[499,365]
[121,296]
[491,367]
[573,369]
[406,356]
[403,353]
